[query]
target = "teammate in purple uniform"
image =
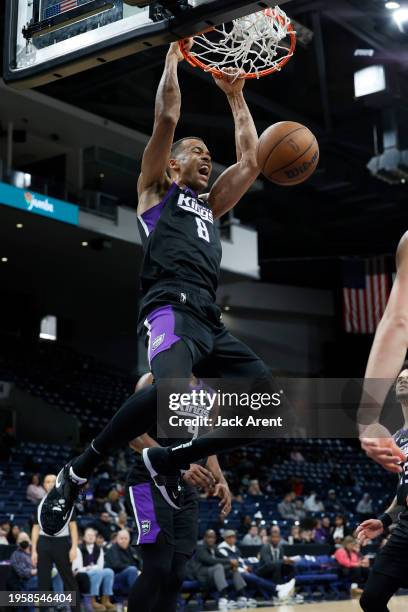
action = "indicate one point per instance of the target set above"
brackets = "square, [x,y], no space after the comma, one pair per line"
[167,537]
[179,278]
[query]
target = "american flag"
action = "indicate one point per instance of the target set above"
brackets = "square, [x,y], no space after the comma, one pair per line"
[61,7]
[367,284]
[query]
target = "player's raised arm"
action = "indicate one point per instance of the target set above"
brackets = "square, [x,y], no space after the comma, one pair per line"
[236,180]
[167,113]
[384,364]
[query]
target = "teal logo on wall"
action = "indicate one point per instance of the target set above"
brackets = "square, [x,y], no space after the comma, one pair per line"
[39,204]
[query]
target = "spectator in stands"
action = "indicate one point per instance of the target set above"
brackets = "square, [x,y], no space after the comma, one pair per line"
[124,563]
[263,534]
[100,541]
[91,561]
[3,537]
[322,530]
[105,526]
[212,569]
[114,505]
[332,504]
[254,488]
[352,566]
[299,511]
[273,563]
[13,534]
[306,536]
[122,520]
[313,503]
[35,492]
[86,504]
[21,563]
[275,531]
[252,538]
[295,537]
[296,455]
[286,507]
[229,549]
[6,529]
[365,507]
[339,531]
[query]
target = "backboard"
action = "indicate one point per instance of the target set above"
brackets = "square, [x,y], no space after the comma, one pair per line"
[47,40]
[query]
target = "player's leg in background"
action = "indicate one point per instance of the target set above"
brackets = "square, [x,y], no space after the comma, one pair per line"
[378,591]
[149,590]
[169,595]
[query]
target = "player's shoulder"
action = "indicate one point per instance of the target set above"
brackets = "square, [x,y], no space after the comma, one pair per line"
[151,195]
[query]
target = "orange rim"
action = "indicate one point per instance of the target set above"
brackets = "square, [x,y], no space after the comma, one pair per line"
[197,63]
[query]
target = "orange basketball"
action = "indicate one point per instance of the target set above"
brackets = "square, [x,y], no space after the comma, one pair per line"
[288,153]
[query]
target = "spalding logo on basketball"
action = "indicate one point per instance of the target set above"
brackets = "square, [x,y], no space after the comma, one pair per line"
[288,153]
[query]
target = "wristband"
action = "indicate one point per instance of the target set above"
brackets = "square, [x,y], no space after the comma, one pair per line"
[386,520]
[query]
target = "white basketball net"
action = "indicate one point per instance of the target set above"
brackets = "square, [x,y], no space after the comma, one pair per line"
[252,43]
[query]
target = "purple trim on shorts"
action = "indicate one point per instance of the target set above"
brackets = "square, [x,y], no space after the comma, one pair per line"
[151,217]
[161,325]
[145,514]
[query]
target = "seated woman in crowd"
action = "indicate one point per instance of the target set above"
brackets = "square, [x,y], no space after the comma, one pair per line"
[352,565]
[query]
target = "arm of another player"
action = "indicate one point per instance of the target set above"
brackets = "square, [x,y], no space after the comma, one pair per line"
[196,475]
[221,488]
[229,188]
[73,531]
[384,364]
[35,532]
[372,528]
[167,113]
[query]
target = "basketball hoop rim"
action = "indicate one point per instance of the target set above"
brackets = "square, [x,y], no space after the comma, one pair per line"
[196,63]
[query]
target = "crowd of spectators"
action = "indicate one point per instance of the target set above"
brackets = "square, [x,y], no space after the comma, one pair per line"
[306,517]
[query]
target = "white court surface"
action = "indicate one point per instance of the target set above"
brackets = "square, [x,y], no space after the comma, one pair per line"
[397,604]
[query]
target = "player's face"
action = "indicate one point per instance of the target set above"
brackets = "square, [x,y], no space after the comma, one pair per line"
[194,165]
[401,388]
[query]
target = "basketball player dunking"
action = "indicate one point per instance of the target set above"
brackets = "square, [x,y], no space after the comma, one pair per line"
[179,276]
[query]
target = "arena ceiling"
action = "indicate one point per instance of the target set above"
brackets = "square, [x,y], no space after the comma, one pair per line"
[342,210]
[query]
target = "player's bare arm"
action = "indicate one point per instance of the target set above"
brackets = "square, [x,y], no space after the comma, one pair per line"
[153,181]
[221,489]
[384,364]
[370,529]
[236,180]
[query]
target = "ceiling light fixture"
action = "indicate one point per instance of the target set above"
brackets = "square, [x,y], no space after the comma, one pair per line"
[401,17]
[392,6]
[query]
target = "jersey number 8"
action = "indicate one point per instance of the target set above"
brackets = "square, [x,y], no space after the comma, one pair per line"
[202,230]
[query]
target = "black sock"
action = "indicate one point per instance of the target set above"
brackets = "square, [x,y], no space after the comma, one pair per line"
[84,465]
